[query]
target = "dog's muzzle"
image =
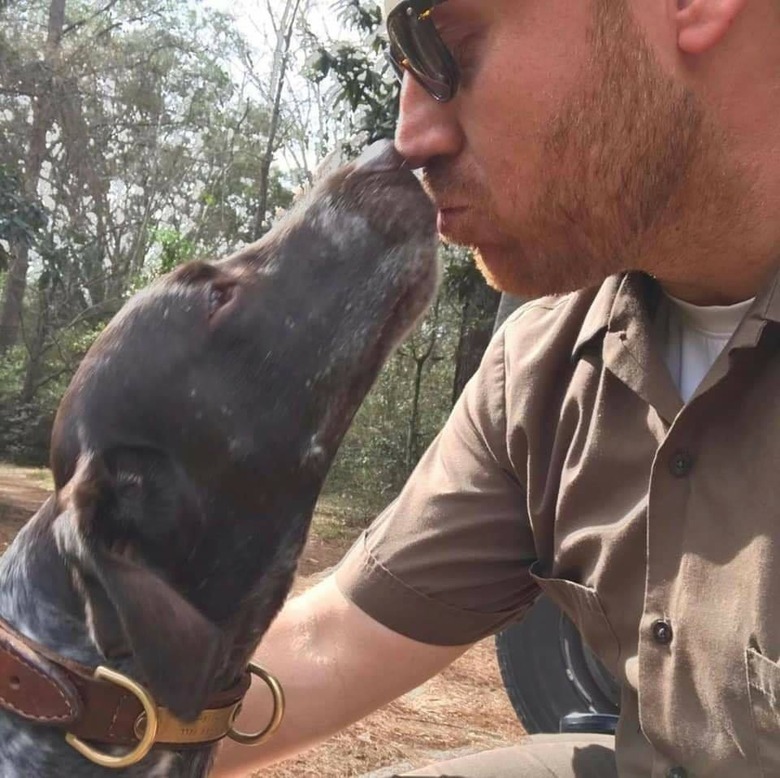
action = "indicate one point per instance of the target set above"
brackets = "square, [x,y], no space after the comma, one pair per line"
[106,708]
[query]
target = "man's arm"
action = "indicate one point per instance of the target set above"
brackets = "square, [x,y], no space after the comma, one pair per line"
[336,665]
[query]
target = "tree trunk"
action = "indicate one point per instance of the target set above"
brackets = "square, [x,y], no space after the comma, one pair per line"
[16,284]
[35,349]
[281,61]
[420,353]
[476,329]
[13,296]
[508,305]
[412,435]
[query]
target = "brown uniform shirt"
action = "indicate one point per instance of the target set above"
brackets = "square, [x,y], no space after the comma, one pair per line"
[570,466]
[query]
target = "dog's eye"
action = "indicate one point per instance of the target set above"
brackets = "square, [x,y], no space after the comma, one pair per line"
[219,296]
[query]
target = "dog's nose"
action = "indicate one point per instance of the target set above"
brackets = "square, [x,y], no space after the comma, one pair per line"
[379,157]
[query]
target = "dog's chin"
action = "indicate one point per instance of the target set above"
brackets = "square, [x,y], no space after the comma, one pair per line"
[245,631]
[393,321]
[422,283]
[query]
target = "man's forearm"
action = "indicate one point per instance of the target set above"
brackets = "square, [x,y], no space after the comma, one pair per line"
[329,681]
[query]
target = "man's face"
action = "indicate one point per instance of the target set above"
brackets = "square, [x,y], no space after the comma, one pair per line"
[567,153]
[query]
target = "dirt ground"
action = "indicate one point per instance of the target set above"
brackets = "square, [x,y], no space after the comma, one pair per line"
[462,710]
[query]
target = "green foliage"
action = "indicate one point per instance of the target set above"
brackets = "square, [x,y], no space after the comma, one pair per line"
[461,275]
[372,465]
[21,221]
[26,418]
[376,457]
[367,92]
[175,248]
[24,426]
[152,150]
[148,152]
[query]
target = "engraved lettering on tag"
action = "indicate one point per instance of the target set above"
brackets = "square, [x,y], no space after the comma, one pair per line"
[210,725]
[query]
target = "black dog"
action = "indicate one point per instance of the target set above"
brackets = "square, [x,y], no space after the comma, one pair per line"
[191,446]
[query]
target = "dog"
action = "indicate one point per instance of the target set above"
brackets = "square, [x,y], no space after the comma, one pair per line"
[190,448]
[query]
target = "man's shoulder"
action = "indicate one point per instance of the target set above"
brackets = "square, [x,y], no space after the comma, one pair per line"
[546,308]
[550,328]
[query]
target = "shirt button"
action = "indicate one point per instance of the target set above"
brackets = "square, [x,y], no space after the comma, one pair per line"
[662,633]
[677,772]
[681,463]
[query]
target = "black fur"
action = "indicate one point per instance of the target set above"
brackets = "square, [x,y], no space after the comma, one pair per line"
[191,446]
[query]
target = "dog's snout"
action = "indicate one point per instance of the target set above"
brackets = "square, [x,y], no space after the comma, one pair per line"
[380,157]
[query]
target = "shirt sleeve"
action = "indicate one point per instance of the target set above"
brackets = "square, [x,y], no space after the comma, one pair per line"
[447,562]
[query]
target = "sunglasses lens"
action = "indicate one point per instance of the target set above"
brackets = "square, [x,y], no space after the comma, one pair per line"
[415,46]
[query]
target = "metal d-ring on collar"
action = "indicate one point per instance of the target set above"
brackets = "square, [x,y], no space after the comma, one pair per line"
[156,724]
[146,742]
[277,693]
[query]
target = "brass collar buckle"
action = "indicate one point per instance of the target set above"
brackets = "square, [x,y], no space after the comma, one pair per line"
[156,725]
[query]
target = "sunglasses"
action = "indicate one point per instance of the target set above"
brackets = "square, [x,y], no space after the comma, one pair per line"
[415,47]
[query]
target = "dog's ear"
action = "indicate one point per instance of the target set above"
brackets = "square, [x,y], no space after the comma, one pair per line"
[130,607]
[176,648]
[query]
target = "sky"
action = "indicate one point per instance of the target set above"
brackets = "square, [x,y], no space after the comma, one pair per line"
[252,16]
[253,20]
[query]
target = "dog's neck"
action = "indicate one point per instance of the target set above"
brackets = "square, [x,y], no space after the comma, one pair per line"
[37,596]
[38,599]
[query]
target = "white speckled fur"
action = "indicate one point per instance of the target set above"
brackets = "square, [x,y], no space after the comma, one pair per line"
[31,751]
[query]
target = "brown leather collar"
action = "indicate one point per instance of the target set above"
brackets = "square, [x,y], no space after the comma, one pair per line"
[48,689]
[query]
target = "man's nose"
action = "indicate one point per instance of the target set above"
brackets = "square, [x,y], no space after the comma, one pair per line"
[426,128]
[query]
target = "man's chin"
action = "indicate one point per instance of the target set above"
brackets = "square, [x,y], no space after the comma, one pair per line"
[499,264]
[505,264]
[504,270]
[511,270]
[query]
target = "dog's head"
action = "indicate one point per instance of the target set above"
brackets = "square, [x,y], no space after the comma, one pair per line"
[192,443]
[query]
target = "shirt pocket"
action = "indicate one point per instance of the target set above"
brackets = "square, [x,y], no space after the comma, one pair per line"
[582,605]
[763,676]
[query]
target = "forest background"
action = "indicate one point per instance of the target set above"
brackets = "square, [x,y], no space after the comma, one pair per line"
[139,134]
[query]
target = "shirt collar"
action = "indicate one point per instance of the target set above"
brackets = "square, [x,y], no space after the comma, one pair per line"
[596,319]
[767,305]
[614,307]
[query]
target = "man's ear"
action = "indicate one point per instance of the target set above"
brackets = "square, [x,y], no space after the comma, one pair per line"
[702,24]
[131,608]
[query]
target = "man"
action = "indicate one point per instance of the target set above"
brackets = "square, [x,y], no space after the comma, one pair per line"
[619,447]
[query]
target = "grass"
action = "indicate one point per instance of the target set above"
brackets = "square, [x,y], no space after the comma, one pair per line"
[41,476]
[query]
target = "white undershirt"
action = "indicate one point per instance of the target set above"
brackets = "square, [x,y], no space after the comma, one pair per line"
[693,336]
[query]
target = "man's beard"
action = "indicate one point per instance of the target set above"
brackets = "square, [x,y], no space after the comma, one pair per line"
[631,165]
